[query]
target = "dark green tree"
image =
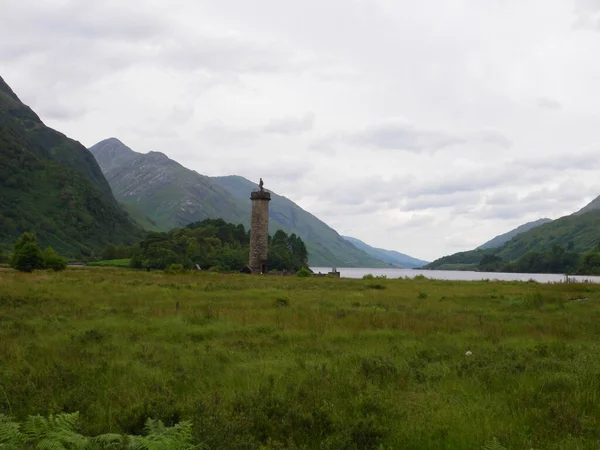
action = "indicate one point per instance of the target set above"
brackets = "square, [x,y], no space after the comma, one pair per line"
[109,252]
[27,255]
[53,261]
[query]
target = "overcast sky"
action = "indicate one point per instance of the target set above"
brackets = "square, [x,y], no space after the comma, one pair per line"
[426,127]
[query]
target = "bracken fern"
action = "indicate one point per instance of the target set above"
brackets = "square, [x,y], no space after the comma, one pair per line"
[58,432]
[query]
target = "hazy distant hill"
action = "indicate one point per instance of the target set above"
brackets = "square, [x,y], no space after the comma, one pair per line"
[161,194]
[502,239]
[52,185]
[389,256]
[325,246]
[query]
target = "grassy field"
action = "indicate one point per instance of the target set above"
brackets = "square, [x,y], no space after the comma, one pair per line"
[284,362]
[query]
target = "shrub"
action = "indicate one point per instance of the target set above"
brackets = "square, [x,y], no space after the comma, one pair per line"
[53,261]
[27,256]
[304,272]
[368,276]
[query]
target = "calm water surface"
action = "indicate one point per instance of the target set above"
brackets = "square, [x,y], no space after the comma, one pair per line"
[359,272]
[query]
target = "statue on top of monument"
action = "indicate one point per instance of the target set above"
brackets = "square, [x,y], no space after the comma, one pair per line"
[260,185]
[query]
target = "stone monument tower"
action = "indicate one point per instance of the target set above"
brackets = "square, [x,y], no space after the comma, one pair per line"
[259,230]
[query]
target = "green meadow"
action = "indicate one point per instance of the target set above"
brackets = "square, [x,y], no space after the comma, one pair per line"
[266,362]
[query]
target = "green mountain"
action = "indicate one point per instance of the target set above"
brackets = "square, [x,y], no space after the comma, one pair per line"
[161,194]
[325,246]
[52,185]
[592,206]
[502,239]
[576,233]
[388,256]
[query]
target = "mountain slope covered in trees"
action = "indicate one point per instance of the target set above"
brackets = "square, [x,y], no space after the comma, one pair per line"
[52,185]
[563,245]
[162,194]
[502,239]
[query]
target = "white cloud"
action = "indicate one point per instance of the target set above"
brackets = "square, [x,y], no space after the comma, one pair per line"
[439,123]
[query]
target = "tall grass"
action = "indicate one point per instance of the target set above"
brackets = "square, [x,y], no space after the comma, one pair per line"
[285,362]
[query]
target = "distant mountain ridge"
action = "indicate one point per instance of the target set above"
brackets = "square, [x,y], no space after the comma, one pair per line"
[161,194]
[162,190]
[53,186]
[578,232]
[502,239]
[591,206]
[389,256]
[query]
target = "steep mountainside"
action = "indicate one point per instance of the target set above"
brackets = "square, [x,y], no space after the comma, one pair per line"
[502,239]
[160,191]
[594,205]
[52,185]
[389,256]
[325,246]
[577,233]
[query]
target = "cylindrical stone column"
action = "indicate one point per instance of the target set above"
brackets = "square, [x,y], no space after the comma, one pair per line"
[259,231]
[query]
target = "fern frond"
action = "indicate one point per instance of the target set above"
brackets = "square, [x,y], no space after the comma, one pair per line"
[111,441]
[160,437]
[64,421]
[10,432]
[48,444]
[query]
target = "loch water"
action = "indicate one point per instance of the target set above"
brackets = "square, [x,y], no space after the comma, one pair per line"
[457,275]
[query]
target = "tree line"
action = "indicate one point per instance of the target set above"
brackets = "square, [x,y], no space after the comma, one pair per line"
[27,256]
[210,244]
[557,260]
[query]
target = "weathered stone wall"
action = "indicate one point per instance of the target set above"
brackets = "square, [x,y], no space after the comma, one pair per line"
[259,231]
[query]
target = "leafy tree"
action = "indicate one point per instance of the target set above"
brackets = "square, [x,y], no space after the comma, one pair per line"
[490,263]
[27,255]
[214,243]
[53,261]
[109,252]
[590,264]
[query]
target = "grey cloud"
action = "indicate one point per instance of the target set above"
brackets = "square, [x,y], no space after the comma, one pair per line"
[494,138]
[587,160]
[441,200]
[501,198]
[59,111]
[420,220]
[548,103]
[394,134]
[221,54]
[587,15]
[562,199]
[399,135]
[291,125]
[219,134]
